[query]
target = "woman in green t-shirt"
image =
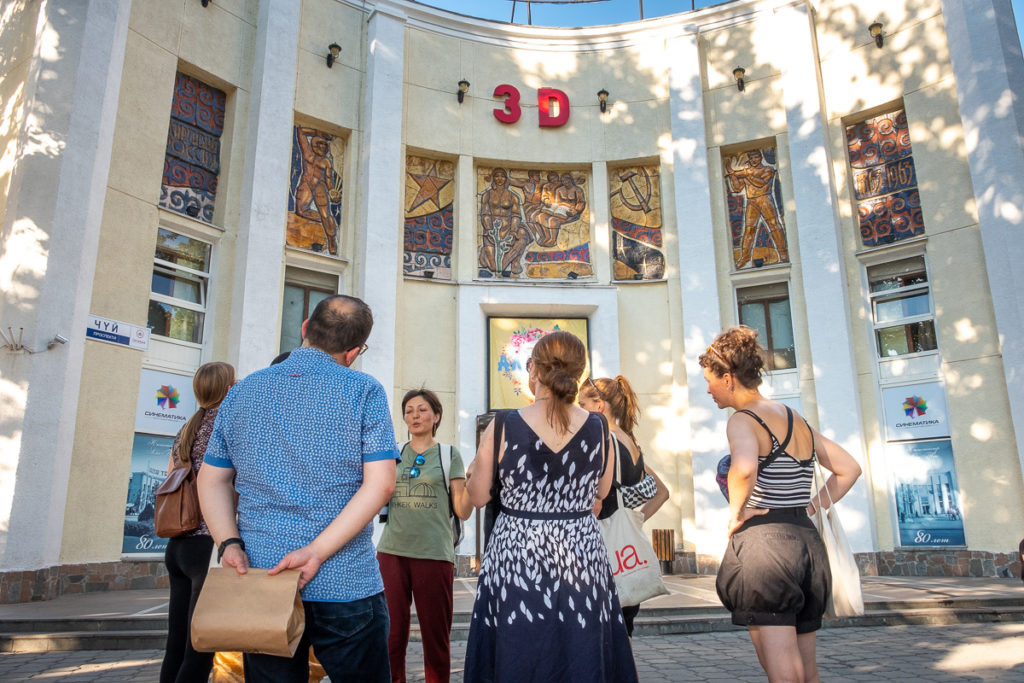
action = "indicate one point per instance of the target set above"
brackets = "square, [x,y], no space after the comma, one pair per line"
[417,549]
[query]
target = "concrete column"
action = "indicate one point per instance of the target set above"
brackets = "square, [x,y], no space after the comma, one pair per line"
[821,258]
[698,283]
[464,250]
[380,211]
[986,55]
[49,237]
[259,257]
[601,245]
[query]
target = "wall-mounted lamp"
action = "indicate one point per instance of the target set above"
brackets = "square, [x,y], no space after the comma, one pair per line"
[602,97]
[463,89]
[737,73]
[205,3]
[192,210]
[876,32]
[333,51]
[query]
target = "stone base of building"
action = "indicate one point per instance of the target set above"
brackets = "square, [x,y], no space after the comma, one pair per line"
[912,562]
[70,579]
[978,563]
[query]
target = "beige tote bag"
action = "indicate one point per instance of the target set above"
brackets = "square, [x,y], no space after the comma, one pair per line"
[846,599]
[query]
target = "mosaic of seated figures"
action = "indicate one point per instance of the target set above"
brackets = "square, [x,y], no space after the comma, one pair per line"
[635,201]
[192,157]
[427,239]
[533,224]
[754,197]
[314,191]
[884,179]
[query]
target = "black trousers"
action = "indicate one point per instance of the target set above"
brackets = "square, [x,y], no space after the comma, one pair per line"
[187,559]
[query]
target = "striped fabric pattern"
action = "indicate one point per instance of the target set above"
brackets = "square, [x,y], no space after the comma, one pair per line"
[782,480]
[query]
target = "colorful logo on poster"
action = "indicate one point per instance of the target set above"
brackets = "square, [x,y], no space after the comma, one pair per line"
[167,397]
[512,361]
[915,404]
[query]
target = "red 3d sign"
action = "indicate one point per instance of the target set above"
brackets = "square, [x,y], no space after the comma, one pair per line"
[552,106]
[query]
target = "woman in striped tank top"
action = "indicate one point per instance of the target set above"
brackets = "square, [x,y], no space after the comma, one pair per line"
[774,577]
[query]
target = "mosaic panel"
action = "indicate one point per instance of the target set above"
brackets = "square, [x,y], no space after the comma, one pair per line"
[754,198]
[532,228]
[635,201]
[315,191]
[884,179]
[192,157]
[429,195]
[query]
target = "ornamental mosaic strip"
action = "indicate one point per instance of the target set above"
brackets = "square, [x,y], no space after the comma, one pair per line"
[533,224]
[428,231]
[192,157]
[884,179]
[754,200]
[634,194]
[315,191]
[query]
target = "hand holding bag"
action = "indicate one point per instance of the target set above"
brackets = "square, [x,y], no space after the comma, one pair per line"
[635,566]
[251,612]
[176,509]
[846,599]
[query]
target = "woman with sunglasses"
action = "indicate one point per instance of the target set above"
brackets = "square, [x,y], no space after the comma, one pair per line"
[417,551]
[775,576]
[616,400]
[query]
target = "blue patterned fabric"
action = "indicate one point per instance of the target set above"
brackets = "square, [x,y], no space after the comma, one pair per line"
[546,607]
[297,434]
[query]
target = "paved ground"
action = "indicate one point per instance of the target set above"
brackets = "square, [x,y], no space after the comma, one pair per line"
[908,654]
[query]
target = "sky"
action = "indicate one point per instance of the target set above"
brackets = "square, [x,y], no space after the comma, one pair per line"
[593,13]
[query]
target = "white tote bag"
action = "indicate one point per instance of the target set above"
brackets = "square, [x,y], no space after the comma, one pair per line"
[634,565]
[846,599]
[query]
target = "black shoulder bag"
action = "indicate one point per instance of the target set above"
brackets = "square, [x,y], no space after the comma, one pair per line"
[493,506]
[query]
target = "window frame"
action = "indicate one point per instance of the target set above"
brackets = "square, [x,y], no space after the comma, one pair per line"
[295,275]
[765,300]
[204,278]
[874,298]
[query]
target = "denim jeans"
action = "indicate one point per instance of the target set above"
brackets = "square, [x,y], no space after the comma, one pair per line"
[349,638]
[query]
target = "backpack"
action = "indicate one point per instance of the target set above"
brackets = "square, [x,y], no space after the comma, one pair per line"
[446,466]
[176,510]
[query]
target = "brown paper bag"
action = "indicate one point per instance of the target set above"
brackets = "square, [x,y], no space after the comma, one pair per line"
[251,612]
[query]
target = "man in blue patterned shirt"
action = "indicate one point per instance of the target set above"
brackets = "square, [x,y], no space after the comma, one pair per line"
[309,446]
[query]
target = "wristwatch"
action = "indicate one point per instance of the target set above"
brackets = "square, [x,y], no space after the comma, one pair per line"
[225,543]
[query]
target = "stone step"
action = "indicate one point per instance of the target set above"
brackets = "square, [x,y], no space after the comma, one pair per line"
[151,634]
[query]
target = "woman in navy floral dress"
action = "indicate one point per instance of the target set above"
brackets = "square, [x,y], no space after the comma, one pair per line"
[546,607]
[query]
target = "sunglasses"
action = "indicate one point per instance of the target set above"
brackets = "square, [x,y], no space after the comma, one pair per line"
[363,349]
[414,471]
[714,352]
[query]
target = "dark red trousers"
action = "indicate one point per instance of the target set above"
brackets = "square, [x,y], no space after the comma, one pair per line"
[429,583]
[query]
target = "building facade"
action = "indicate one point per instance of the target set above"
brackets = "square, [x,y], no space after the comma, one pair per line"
[181,182]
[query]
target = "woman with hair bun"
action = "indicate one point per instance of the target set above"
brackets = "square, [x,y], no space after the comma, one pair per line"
[546,607]
[616,400]
[775,576]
